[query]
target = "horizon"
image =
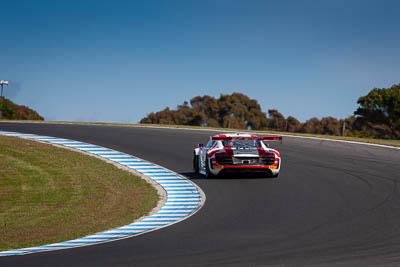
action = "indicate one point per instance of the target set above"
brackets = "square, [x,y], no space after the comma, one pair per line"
[97,61]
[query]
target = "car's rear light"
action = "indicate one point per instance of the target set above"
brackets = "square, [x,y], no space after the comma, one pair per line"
[265,154]
[225,154]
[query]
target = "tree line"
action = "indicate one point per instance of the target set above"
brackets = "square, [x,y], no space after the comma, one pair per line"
[378,116]
[12,111]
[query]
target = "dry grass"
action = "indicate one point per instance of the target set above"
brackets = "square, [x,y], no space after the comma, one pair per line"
[50,194]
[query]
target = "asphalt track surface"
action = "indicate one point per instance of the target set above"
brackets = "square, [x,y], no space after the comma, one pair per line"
[333,204]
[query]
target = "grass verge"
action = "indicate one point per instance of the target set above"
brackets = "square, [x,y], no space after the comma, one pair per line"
[50,194]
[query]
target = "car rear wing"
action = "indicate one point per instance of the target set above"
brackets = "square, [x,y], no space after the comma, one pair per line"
[270,138]
[252,137]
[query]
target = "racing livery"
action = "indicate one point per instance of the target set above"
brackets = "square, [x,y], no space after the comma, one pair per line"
[237,152]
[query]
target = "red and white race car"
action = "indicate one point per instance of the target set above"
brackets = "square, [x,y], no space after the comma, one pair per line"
[237,152]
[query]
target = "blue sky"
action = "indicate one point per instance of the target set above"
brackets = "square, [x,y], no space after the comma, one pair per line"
[117,61]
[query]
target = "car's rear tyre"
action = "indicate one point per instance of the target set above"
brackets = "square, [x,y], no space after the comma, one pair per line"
[195,163]
[209,174]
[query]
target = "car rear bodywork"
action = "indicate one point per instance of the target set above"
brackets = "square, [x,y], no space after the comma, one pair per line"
[237,153]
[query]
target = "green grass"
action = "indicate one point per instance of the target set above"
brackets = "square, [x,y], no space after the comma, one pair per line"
[395,143]
[50,194]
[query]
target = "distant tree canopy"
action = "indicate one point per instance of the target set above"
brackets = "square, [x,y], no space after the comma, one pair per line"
[327,125]
[12,111]
[379,113]
[236,111]
[276,120]
[293,125]
[377,116]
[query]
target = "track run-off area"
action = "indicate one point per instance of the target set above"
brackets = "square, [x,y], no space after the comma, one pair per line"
[334,203]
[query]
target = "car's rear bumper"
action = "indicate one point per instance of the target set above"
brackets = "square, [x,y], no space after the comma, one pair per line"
[250,167]
[246,171]
[232,169]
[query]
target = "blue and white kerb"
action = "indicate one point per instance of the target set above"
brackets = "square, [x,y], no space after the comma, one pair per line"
[184,198]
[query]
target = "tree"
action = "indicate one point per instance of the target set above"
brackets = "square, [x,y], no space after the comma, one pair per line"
[206,105]
[330,126]
[377,116]
[311,126]
[379,112]
[276,120]
[235,111]
[293,125]
[12,111]
[238,109]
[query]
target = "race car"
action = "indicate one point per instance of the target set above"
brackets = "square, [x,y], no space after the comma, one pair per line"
[237,153]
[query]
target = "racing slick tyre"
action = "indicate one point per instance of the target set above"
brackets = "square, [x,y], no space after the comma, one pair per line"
[209,175]
[195,163]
